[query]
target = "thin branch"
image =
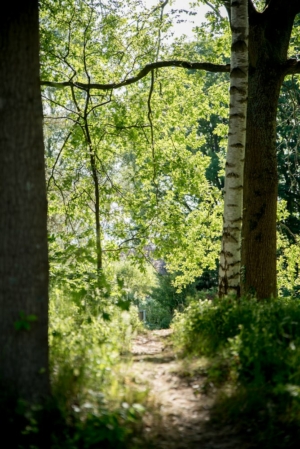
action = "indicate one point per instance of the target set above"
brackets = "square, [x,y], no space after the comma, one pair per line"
[98,105]
[119,127]
[59,154]
[284,226]
[59,117]
[145,135]
[209,67]
[85,41]
[151,123]
[228,9]
[75,101]
[216,11]
[58,104]
[162,5]
[108,177]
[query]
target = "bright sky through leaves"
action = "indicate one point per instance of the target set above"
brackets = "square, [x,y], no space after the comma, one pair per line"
[184,23]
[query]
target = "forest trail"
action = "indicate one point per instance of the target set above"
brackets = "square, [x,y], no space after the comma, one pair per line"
[181,419]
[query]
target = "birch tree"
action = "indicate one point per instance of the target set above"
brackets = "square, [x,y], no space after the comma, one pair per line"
[230,256]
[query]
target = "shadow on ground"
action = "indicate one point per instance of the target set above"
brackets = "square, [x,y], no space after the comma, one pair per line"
[181,415]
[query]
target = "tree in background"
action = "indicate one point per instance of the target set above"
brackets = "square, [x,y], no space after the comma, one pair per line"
[143,139]
[270,28]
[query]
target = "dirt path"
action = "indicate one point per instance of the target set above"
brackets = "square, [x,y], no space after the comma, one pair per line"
[182,420]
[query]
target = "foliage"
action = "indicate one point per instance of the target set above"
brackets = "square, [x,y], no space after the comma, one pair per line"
[137,284]
[288,254]
[158,316]
[255,346]
[141,287]
[150,291]
[129,148]
[158,153]
[288,266]
[288,154]
[94,401]
[165,299]
[86,374]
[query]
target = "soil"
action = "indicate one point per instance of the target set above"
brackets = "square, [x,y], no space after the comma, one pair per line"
[182,403]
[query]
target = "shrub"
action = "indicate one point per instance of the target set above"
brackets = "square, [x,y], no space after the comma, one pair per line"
[94,400]
[256,347]
[87,382]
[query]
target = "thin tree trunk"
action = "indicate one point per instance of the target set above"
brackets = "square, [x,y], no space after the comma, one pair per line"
[230,256]
[97,197]
[23,208]
[97,213]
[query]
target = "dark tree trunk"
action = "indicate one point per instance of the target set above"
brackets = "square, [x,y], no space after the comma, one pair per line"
[268,44]
[23,207]
[260,187]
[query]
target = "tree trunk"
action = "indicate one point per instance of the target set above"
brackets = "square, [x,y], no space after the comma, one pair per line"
[269,38]
[96,193]
[23,208]
[260,186]
[97,214]
[230,256]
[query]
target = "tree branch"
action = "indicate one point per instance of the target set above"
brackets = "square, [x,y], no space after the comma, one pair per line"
[228,8]
[161,5]
[151,124]
[216,68]
[279,5]
[215,9]
[284,226]
[292,67]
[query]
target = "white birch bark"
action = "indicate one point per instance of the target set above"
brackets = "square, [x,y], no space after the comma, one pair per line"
[230,256]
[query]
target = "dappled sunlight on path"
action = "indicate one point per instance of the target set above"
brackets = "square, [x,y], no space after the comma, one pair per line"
[181,419]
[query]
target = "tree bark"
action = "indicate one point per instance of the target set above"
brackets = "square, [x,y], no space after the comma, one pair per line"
[230,256]
[260,187]
[269,38]
[23,208]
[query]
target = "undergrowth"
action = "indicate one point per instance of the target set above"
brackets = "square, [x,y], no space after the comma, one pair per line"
[95,402]
[254,353]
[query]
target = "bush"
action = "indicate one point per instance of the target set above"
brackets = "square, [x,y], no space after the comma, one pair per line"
[164,299]
[94,400]
[88,385]
[256,347]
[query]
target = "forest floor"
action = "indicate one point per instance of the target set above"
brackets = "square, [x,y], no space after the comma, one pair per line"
[180,415]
